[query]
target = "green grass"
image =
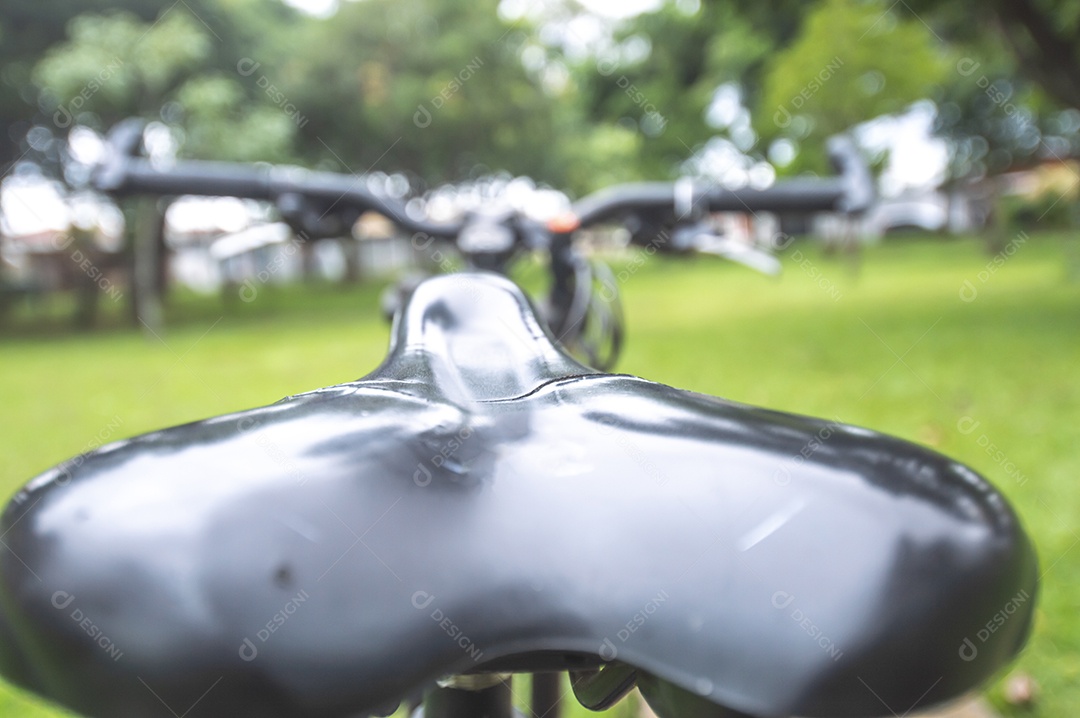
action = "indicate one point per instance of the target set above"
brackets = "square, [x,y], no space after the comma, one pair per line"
[892,347]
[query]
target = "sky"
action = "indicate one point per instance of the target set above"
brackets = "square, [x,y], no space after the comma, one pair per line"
[917,158]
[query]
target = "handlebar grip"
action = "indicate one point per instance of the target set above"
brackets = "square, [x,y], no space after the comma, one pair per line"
[797,195]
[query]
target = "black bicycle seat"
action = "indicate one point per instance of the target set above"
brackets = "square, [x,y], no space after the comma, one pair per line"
[483,502]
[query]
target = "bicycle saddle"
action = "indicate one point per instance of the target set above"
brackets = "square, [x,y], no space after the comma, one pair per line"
[483,502]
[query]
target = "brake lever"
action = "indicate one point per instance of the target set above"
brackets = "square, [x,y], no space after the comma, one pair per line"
[701,239]
[739,252]
[122,143]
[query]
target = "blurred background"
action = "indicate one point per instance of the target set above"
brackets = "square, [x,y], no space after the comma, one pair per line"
[947,314]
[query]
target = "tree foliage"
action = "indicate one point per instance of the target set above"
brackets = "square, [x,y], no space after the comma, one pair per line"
[431,87]
[116,65]
[1041,37]
[658,80]
[1012,97]
[851,62]
[446,88]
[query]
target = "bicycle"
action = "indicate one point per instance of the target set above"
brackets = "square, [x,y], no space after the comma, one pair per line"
[529,475]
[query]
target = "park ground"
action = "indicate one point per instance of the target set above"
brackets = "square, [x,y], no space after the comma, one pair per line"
[930,339]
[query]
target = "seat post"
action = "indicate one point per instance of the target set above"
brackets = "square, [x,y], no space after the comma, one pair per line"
[547,691]
[471,696]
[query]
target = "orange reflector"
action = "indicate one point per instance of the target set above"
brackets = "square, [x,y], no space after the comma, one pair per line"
[564,223]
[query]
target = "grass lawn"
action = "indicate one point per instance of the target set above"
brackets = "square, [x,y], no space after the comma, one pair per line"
[890,346]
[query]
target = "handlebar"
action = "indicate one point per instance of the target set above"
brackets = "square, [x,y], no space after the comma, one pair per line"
[586,319]
[850,192]
[125,173]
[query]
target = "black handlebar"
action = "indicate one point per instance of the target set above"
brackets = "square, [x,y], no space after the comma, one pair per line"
[851,192]
[124,173]
[799,195]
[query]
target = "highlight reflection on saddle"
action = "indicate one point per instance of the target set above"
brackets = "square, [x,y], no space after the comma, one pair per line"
[482,501]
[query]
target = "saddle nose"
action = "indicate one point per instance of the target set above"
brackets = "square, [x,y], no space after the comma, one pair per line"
[474,338]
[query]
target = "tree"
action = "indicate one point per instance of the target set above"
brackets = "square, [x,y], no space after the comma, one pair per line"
[114,66]
[851,62]
[809,70]
[996,121]
[1001,110]
[27,29]
[654,86]
[657,81]
[1043,37]
[433,88]
[117,65]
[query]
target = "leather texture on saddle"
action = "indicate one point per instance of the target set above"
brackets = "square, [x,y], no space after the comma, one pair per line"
[482,496]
